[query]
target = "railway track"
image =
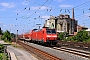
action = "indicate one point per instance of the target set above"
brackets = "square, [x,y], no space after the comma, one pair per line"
[40,54]
[74,51]
[75,45]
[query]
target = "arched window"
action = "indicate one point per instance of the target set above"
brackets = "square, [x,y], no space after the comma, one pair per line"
[52,26]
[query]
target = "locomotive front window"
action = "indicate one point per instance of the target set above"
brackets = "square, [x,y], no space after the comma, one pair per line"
[51,31]
[48,31]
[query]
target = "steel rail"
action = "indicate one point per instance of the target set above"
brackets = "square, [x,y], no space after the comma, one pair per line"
[40,54]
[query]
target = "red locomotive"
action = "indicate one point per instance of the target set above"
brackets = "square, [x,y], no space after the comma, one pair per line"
[44,35]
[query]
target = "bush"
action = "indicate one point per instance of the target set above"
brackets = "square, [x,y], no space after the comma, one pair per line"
[61,36]
[2,54]
[88,40]
[69,39]
[82,36]
[6,36]
[1,48]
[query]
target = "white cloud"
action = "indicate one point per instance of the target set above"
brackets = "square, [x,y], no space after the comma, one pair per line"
[66,5]
[7,5]
[87,14]
[24,3]
[38,7]
[59,0]
[2,9]
[43,8]
[40,13]
[45,17]
[4,25]
[17,11]
[34,8]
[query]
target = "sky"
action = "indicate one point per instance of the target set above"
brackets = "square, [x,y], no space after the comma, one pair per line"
[24,15]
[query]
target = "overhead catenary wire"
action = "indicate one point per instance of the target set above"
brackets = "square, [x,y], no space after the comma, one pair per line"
[55,8]
[40,16]
[81,4]
[35,10]
[66,10]
[51,9]
[47,9]
[38,9]
[62,9]
[26,7]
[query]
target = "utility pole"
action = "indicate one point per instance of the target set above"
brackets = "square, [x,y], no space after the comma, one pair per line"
[16,37]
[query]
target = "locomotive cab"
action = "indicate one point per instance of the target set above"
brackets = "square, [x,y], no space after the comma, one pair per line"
[51,36]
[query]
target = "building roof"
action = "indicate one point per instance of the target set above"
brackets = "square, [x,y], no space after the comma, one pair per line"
[88,30]
[82,27]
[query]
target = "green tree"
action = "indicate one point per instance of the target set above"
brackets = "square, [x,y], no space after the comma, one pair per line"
[1,32]
[82,35]
[61,36]
[13,35]
[1,48]
[88,40]
[6,36]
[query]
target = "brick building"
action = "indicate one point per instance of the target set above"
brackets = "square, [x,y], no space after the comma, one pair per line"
[81,28]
